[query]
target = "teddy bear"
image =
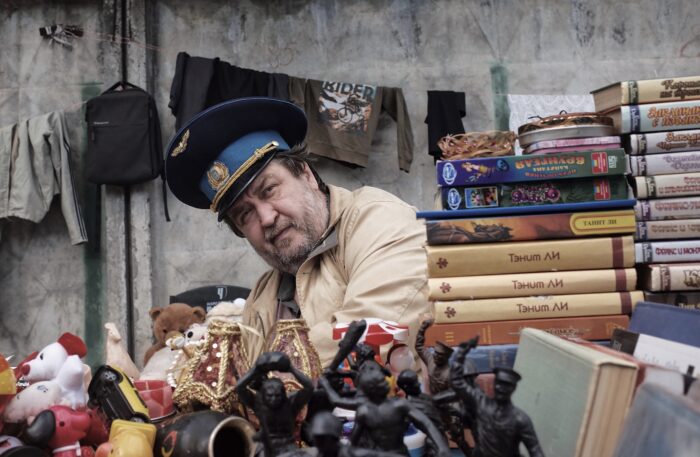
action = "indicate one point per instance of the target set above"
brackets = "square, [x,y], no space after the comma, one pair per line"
[176,317]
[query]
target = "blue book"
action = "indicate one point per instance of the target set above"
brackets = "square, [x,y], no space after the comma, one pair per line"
[673,323]
[486,358]
[553,208]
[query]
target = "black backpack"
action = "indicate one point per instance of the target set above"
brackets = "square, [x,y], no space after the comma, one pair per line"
[124,142]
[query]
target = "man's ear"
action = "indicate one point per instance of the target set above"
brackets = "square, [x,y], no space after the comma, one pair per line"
[308,175]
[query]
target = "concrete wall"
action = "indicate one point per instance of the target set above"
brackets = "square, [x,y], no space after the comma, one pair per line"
[484,48]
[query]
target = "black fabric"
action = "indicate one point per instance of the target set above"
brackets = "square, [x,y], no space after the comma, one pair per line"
[230,81]
[124,141]
[209,296]
[190,86]
[446,109]
[200,82]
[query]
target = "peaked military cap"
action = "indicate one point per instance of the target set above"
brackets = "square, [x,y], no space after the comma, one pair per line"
[506,375]
[215,156]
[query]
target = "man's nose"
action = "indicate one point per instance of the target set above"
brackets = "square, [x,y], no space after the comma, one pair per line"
[267,214]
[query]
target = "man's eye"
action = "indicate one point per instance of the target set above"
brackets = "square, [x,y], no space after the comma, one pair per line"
[269,190]
[243,216]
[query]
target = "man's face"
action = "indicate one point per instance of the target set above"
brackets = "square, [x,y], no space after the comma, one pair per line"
[282,216]
[503,390]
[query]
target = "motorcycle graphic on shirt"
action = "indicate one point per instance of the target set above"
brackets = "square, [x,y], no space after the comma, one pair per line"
[346,107]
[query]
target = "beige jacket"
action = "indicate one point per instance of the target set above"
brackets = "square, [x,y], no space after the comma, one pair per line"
[372,264]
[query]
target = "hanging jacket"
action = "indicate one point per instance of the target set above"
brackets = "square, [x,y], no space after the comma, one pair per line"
[35,166]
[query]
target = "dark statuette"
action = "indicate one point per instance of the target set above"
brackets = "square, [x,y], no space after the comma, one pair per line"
[499,426]
[275,410]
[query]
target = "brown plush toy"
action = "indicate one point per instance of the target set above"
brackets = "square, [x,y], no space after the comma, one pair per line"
[176,317]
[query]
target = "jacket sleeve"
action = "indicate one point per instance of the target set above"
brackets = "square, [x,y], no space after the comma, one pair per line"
[384,260]
[394,104]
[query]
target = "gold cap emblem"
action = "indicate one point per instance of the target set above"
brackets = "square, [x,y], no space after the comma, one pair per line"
[217,175]
[182,145]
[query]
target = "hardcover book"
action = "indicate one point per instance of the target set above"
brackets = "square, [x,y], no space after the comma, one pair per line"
[490,170]
[536,307]
[667,208]
[660,423]
[508,332]
[668,322]
[526,284]
[535,193]
[680,357]
[667,230]
[576,396]
[646,91]
[657,117]
[523,210]
[573,145]
[664,164]
[667,251]
[664,277]
[530,256]
[685,299]
[530,227]
[662,142]
[664,186]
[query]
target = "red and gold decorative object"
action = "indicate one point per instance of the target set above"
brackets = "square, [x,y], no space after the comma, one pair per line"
[291,337]
[494,143]
[210,376]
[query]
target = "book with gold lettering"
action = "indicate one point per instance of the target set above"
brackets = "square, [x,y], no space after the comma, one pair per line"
[667,208]
[667,251]
[525,284]
[662,142]
[657,117]
[670,276]
[530,227]
[508,332]
[661,186]
[567,165]
[667,230]
[530,256]
[536,307]
[646,91]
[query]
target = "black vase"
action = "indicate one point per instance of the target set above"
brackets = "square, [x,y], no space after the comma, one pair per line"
[205,434]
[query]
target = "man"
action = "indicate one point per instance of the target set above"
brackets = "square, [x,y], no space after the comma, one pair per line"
[499,426]
[336,255]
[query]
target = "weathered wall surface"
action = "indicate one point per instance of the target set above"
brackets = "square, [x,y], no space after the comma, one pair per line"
[484,48]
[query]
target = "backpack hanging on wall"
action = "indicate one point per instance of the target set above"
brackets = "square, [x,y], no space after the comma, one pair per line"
[124,142]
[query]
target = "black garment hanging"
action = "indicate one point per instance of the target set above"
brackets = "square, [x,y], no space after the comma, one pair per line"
[446,109]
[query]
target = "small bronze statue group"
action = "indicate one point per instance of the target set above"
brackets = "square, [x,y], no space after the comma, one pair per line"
[381,421]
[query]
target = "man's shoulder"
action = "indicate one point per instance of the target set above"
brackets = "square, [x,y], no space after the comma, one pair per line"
[368,194]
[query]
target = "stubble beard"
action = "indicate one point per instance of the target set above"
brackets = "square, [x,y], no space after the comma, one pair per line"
[315,220]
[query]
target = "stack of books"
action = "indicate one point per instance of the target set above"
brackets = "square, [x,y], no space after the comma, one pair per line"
[659,121]
[540,241]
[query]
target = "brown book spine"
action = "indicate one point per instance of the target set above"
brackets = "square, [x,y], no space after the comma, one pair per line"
[530,256]
[527,284]
[508,332]
[527,227]
[540,306]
